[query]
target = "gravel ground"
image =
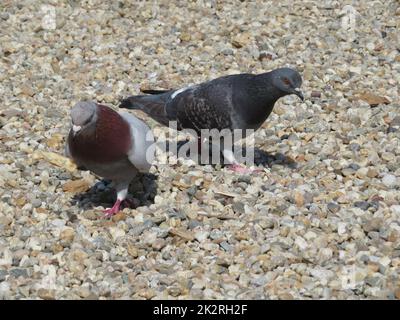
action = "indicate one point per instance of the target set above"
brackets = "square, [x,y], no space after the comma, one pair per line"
[321,222]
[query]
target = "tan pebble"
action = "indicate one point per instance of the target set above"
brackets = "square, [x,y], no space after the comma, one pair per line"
[133,251]
[46,294]
[241,40]
[182,233]
[67,234]
[298,199]
[397,293]
[372,173]
[185,36]
[76,186]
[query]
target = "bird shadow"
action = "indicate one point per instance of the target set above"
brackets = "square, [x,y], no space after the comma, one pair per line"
[266,159]
[260,157]
[142,190]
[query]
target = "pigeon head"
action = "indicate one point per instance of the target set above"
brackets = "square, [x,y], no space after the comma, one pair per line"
[83,114]
[288,81]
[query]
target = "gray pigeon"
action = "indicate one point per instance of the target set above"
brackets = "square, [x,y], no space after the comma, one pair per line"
[242,101]
[113,145]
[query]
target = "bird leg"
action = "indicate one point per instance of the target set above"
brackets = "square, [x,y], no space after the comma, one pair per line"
[235,166]
[238,168]
[115,209]
[122,192]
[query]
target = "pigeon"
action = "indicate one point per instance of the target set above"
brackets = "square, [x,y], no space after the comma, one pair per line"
[113,145]
[240,101]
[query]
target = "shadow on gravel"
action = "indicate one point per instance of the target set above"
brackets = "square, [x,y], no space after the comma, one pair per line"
[261,158]
[266,159]
[142,191]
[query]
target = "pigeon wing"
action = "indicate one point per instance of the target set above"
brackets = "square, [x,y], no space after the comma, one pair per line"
[141,153]
[206,106]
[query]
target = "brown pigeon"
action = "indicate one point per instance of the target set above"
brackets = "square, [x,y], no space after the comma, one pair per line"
[113,145]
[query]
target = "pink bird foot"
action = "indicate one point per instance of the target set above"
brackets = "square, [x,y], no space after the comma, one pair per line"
[242,169]
[111,211]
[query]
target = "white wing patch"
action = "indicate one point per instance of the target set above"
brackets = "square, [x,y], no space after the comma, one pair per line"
[179,91]
[142,151]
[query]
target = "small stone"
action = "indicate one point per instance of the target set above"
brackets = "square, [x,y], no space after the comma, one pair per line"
[333,207]
[226,246]
[46,294]
[395,122]
[241,40]
[395,209]
[264,55]
[3,274]
[397,293]
[18,272]
[158,244]
[194,223]
[116,233]
[301,243]
[76,186]
[174,291]
[372,225]
[389,180]
[227,52]
[372,173]
[355,69]
[387,156]
[364,205]
[83,292]
[348,172]
[36,203]
[342,228]
[67,235]
[201,236]
[133,251]
[27,90]
[185,36]
[299,199]
[238,207]
[315,94]
[182,233]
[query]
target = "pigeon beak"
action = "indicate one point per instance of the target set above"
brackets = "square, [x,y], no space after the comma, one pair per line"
[298,93]
[76,129]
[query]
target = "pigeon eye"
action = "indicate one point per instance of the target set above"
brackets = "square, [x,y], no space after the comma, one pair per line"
[286,81]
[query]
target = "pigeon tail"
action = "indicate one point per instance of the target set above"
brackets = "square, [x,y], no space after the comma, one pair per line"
[152,105]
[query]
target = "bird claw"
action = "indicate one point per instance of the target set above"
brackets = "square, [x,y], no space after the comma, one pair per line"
[108,213]
[242,169]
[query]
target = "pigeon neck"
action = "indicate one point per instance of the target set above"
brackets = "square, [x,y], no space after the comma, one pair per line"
[266,90]
[260,99]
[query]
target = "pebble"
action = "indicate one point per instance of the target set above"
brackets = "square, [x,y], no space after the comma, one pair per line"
[389,180]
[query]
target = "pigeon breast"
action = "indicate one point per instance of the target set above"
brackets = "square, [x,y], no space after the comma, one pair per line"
[107,140]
